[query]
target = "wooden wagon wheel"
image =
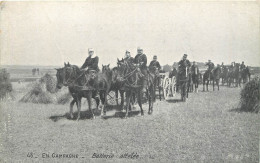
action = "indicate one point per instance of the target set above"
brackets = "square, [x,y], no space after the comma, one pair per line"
[111,98]
[173,86]
[166,87]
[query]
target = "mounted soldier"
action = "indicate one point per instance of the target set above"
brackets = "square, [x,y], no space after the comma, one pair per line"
[128,56]
[242,66]
[210,65]
[155,63]
[141,60]
[91,63]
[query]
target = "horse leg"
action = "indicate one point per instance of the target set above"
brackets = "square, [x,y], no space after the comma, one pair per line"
[105,101]
[116,92]
[203,85]
[89,96]
[213,83]
[71,108]
[128,100]
[102,96]
[122,98]
[139,100]
[79,107]
[207,85]
[218,84]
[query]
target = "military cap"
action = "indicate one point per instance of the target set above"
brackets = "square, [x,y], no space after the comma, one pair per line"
[90,50]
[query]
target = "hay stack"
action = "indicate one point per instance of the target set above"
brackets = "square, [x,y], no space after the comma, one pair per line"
[50,82]
[5,84]
[63,96]
[38,94]
[249,96]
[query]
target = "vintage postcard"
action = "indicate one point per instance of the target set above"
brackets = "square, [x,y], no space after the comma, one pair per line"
[129,81]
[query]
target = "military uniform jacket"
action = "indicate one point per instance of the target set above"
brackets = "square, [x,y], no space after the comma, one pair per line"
[242,66]
[210,65]
[183,64]
[91,63]
[141,58]
[155,64]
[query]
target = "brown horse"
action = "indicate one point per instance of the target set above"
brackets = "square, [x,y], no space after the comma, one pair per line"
[157,80]
[132,78]
[83,83]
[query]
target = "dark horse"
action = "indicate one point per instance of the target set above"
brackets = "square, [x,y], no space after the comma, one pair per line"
[224,75]
[157,80]
[117,86]
[235,76]
[83,83]
[213,76]
[245,74]
[132,78]
[195,77]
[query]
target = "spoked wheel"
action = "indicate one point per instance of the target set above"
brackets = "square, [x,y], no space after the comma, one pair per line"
[166,87]
[111,98]
[173,86]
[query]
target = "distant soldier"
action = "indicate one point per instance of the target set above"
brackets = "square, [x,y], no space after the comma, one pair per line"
[222,67]
[195,74]
[173,72]
[91,63]
[242,66]
[210,65]
[184,64]
[155,63]
[141,60]
[128,56]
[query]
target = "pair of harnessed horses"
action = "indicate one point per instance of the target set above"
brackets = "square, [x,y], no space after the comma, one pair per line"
[125,77]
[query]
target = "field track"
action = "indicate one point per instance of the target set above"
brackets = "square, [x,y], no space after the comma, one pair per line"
[205,128]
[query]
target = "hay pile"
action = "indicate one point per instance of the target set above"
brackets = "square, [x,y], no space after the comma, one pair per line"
[44,91]
[250,96]
[5,84]
[50,83]
[38,94]
[63,96]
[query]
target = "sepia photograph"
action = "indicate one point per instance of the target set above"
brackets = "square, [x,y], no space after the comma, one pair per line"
[129,81]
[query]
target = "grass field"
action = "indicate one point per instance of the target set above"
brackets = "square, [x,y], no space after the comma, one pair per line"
[204,129]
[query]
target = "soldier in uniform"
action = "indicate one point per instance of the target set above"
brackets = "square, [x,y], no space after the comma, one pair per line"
[210,65]
[183,64]
[155,63]
[141,60]
[128,56]
[91,63]
[242,66]
[195,75]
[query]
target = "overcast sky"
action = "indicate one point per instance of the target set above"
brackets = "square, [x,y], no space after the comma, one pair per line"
[49,33]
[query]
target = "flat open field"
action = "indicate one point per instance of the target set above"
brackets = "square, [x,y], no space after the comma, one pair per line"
[204,129]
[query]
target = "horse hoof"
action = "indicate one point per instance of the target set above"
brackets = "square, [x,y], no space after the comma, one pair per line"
[78,119]
[125,117]
[71,117]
